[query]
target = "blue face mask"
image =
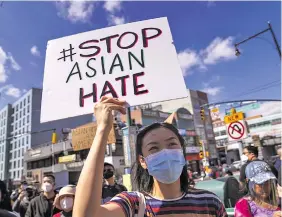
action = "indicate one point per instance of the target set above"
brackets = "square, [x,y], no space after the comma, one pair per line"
[166,166]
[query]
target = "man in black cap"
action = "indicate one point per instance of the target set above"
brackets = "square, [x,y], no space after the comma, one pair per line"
[110,187]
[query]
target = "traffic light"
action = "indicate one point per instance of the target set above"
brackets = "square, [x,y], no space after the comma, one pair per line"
[201,154]
[202,112]
[54,138]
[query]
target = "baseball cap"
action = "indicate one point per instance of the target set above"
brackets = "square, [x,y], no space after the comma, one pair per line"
[259,172]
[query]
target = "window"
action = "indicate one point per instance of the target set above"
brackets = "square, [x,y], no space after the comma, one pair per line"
[28,99]
[27,119]
[222,133]
[24,101]
[26,140]
[27,109]
[14,174]
[17,108]
[17,116]
[24,111]
[19,153]
[21,105]
[22,151]
[14,164]
[18,174]
[20,114]
[20,123]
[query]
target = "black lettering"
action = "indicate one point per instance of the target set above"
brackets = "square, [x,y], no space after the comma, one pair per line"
[141,63]
[129,46]
[146,38]
[117,57]
[136,86]
[94,70]
[108,42]
[77,72]
[123,84]
[111,90]
[103,65]
[98,49]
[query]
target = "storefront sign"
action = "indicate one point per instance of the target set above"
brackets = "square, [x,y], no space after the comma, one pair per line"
[192,149]
[68,158]
[150,113]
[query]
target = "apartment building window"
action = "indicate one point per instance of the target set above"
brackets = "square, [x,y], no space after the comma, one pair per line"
[22,162]
[17,108]
[28,109]
[28,99]
[18,174]
[24,111]
[22,151]
[27,119]
[21,105]
[19,153]
[26,140]
[22,141]
[14,174]
[20,114]
[24,101]
[15,164]
[20,123]
[17,116]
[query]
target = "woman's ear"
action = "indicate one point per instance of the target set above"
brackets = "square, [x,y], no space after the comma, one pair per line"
[142,162]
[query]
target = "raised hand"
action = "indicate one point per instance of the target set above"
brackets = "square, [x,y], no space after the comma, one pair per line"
[103,111]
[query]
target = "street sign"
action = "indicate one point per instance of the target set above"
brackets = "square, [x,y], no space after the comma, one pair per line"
[236,131]
[215,115]
[234,117]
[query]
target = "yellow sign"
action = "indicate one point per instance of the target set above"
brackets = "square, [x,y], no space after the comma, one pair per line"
[83,136]
[234,117]
[214,110]
[68,158]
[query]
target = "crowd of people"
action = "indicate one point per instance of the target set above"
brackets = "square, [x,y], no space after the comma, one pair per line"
[163,184]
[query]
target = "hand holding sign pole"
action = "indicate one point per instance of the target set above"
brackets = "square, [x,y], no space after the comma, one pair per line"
[135,61]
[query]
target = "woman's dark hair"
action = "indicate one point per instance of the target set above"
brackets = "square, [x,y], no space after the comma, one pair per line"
[5,202]
[140,178]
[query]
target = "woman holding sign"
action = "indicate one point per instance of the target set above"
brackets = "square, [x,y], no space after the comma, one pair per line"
[160,175]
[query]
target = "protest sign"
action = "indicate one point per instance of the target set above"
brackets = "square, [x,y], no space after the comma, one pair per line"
[135,61]
[82,137]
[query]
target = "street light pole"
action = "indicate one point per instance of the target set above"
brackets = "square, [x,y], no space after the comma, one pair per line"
[254,36]
[274,39]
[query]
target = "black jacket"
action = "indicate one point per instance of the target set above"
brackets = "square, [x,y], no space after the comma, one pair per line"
[20,206]
[108,191]
[40,206]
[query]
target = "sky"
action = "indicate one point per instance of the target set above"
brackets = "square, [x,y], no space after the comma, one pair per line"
[204,34]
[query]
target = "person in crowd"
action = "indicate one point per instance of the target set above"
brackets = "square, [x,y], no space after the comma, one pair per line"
[250,154]
[21,204]
[160,174]
[64,201]
[262,198]
[278,161]
[110,187]
[42,205]
[15,194]
[5,202]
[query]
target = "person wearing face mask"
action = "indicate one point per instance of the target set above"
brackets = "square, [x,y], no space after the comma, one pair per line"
[159,175]
[110,187]
[21,204]
[42,205]
[250,154]
[64,201]
[16,193]
[262,198]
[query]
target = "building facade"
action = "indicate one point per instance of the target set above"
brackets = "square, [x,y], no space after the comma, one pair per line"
[23,131]
[203,129]
[267,129]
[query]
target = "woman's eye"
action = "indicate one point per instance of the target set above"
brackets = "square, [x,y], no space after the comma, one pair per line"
[153,148]
[172,144]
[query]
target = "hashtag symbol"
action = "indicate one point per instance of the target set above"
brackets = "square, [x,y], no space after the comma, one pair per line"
[70,51]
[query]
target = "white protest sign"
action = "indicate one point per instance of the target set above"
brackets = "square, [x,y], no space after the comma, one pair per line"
[136,61]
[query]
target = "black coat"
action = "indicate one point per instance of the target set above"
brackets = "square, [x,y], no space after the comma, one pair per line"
[40,206]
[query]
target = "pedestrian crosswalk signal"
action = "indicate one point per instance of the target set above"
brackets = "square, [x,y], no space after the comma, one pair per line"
[202,114]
